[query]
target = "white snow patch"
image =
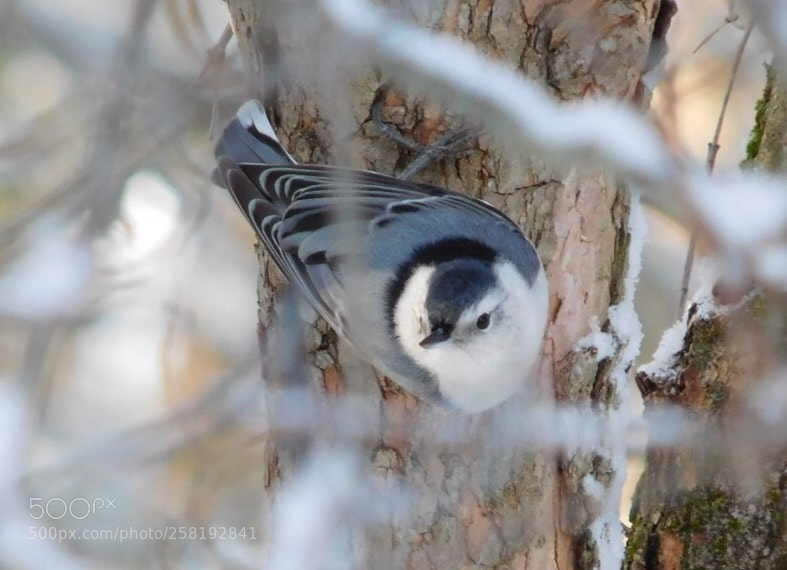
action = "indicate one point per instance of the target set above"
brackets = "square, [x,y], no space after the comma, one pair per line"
[741,209]
[746,216]
[625,327]
[671,342]
[593,487]
[603,343]
[771,19]
[315,513]
[772,265]
[769,399]
[660,366]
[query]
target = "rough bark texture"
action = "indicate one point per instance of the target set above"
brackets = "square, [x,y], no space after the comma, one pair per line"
[720,501]
[474,505]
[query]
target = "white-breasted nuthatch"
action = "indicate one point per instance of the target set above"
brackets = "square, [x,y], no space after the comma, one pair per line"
[439,291]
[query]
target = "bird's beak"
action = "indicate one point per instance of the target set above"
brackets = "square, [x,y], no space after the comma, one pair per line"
[435,337]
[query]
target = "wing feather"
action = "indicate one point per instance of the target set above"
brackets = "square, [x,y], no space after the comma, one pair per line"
[314,220]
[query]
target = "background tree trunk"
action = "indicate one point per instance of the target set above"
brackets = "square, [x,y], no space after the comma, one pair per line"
[472,504]
[721,500]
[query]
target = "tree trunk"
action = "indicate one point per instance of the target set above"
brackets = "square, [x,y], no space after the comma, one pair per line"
[720,500]
[472,504]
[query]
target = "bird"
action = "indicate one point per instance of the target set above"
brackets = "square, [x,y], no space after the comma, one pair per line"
[439,291]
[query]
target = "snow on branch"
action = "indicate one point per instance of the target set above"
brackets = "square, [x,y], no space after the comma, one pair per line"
[746,213]
[771,19]
[590,131]
[316,512]
[508,103]
[625,331]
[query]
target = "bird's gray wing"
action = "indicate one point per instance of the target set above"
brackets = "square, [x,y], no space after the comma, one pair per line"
[316,221]
[305,182]
[319,195]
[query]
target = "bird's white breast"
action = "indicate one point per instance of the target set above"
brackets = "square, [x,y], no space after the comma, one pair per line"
[480,375]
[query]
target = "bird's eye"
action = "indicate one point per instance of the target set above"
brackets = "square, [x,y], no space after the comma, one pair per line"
[483,321]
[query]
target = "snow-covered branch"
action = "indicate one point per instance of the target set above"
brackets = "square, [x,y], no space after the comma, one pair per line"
[770,17]
[591,131]
[506,102]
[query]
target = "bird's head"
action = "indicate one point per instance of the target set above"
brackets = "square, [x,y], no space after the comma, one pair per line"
[462,300]
[476,326]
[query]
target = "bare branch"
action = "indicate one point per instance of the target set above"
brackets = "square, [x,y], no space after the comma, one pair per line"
[713,149]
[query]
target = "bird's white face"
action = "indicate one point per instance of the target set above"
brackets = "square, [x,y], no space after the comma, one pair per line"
[491,348]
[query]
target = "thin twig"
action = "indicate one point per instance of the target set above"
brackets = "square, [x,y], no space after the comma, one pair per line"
[217,53]
[215,56]
[729,19]
[449,143]
[713,150]
[391,131]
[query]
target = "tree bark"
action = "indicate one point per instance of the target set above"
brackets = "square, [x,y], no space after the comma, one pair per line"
[473,504]
[720,500]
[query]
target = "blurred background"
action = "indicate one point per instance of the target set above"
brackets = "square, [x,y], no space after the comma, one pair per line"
[142,321]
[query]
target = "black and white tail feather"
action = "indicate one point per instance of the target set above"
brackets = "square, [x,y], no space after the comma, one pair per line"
[352,242]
